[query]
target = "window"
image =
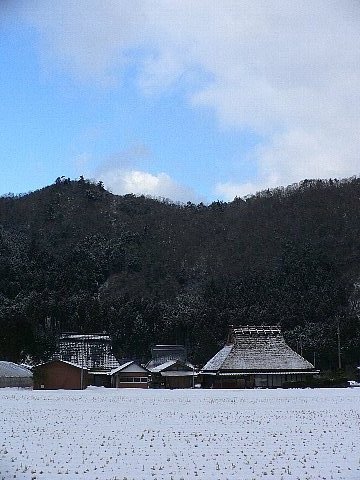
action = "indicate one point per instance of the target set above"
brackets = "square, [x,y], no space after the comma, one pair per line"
[133,380]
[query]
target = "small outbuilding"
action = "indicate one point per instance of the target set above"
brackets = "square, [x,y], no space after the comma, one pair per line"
[60,374]
[130,375]
[164,353]
[13,375]
[255,356]
[173,374]
[169,367]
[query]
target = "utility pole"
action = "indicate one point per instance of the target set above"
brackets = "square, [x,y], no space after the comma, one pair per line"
[82,365]
[338,344]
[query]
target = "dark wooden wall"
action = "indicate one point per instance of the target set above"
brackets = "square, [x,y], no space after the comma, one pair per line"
[58,375]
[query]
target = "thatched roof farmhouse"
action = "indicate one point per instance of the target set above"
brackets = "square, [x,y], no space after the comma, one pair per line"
[255,356]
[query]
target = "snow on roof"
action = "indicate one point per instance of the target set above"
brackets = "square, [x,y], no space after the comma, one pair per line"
[134,367]
[62,361]
[90,336]
[169,364]
[164,353]
[217,360]
[12,370]
[262,329]
[169,346]
[277,372]
[26,365]
[91,351]
[164,365]
[257,348]
[118,369]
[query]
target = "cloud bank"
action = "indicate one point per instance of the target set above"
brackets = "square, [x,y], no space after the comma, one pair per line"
[121,174]
[159,185]
[288,71]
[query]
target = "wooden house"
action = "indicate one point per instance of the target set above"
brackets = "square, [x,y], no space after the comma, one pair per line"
[173,374]
[91,352]
[163,353]
[255,356]
[169,367]
[130,375]
[60,374]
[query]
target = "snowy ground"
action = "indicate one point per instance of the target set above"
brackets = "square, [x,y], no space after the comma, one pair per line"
[181,434]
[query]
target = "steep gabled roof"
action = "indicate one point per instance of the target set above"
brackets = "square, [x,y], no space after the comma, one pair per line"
[91,351]
[126,365]
[164,353]
[257,348]
[185,366]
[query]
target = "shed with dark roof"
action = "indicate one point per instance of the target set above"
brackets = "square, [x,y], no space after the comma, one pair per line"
[255,356]
[60,374]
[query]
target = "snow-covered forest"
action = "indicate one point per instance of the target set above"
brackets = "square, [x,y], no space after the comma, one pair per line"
[74,257]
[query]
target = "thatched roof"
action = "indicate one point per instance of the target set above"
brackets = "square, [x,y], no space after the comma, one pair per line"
[89,351]
[257,349]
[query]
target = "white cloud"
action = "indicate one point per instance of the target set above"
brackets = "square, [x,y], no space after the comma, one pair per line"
[296,155]
[289,71]
[121,182]
[88,38]
[122,174]
[229,190]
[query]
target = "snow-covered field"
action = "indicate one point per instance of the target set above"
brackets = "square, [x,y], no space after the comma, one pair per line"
[181,434]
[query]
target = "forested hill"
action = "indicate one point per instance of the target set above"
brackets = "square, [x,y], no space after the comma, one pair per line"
[74,257]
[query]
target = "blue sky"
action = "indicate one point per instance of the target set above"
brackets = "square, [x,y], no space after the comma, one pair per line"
[180,99]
